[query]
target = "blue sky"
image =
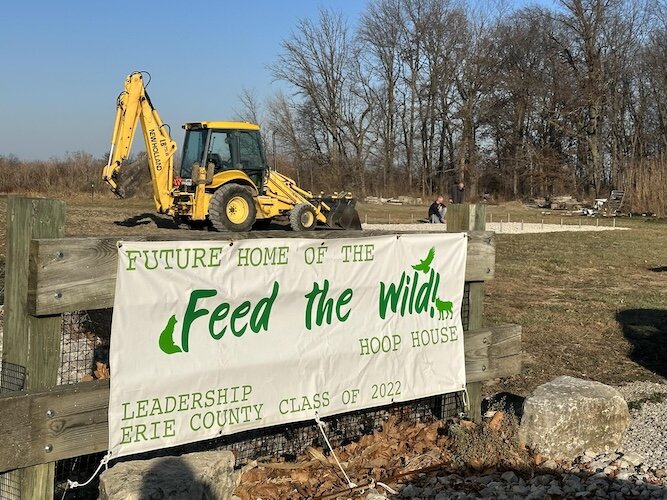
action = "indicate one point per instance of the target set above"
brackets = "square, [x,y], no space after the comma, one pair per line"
[64,63]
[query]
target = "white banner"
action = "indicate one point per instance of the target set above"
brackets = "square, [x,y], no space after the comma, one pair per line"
[216,337]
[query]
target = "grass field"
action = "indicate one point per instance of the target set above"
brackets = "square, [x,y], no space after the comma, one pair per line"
[592,304]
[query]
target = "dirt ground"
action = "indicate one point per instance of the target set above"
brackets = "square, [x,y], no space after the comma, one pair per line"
[591,304]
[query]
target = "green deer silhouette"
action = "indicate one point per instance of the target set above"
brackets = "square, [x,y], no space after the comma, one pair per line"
[444,307]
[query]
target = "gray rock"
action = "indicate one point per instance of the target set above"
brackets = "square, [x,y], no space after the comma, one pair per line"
[510,477]
[374,495]
[208,474]
[537,493]
[544,479]
[488,492]
[485,479]
[411,491]
[554,490]
[568,416]
[633,458]
[624,476]
[495,484]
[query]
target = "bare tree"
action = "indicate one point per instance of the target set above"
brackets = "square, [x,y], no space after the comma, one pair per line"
[532,102]
[251,107]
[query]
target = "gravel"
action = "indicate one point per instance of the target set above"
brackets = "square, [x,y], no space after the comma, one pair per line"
[637,470]
[647,435]
[505,227]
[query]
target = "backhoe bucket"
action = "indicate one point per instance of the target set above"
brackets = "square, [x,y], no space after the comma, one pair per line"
[128,180]
[343,214]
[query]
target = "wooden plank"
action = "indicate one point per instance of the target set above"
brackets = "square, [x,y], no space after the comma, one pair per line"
[458,217]
[478,218]
[80,273]
[27,219]
[29,341]
[498,356]
[475,320]
[70,420]
[77,421]
[465,217]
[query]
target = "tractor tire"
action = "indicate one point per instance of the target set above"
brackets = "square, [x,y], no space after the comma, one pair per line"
[232,208]
[303,217]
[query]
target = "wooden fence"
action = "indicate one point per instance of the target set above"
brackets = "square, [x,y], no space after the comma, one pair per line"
[47,275]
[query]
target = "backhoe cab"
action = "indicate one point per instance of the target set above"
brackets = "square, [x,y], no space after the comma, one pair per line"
[223,178]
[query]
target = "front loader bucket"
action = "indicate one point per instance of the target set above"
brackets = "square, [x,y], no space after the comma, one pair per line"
[343,214]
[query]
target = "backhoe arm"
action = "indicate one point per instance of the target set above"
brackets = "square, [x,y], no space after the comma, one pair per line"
[133,104]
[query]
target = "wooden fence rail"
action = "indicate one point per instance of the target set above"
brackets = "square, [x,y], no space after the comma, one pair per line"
[48,275]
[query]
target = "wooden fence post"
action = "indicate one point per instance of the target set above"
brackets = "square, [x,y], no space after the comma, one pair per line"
[465,217]
[31,342]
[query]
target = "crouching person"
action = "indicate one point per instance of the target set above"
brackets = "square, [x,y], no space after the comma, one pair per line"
[437,211]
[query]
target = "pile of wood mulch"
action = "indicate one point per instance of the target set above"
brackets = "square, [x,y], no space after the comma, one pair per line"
[384,461]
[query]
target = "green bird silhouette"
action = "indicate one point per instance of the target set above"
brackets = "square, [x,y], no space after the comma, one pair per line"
[425,265]
[166,341]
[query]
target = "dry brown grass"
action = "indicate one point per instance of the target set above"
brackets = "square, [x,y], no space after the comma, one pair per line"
[490,446]
[568,290]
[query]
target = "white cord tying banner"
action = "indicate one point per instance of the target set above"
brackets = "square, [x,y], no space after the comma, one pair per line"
[320,424]
[74,484]
[387,488]
[466,401]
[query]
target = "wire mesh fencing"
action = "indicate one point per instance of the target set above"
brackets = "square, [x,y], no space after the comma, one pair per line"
[84,355]
[12,378]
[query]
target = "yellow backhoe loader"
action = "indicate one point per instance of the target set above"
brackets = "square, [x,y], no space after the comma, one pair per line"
[223,180]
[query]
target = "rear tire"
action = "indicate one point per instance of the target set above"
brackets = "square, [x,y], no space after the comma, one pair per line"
[303,217]
[232,208]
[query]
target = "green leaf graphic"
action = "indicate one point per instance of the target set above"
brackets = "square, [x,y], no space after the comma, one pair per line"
[166,341]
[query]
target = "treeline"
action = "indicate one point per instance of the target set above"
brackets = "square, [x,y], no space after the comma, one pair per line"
[532,102]
[76,173]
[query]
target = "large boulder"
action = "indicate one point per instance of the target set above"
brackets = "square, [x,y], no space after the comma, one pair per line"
[205,475]
[568,416]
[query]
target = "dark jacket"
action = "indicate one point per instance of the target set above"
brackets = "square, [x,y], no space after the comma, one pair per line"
[434,209]
[456,194]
